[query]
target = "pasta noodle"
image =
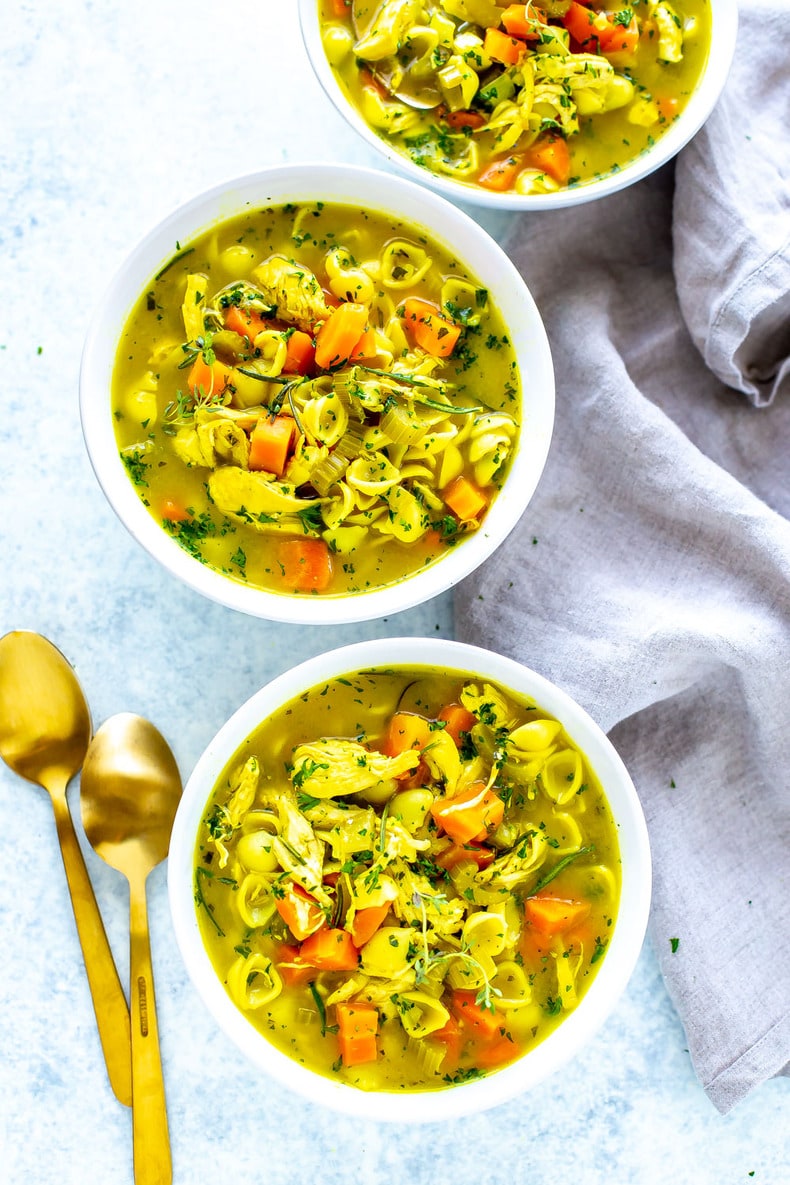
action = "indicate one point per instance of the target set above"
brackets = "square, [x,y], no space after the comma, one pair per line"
[279,395]
[526,98]
[253,981]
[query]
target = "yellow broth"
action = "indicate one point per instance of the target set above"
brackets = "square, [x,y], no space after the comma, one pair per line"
[565,113]
[394,455]
[480,946]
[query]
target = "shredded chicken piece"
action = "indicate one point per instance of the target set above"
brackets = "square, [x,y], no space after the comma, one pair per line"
[327,768]
[298,849]
[222,821]
[293,289]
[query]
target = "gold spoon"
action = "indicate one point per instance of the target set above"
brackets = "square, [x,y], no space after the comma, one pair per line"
[129,791]
[45,728]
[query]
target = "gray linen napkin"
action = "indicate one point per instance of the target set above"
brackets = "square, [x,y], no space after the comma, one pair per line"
[732,232]
[650,576]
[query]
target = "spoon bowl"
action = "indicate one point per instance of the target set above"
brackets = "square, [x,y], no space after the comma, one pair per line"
[45,724]
[129,792]
[45,729]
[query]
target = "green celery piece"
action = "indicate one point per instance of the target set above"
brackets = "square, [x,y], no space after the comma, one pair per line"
[501,87]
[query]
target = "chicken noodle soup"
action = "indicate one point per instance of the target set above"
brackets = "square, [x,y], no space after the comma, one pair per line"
[406,879]
[316,399]
[529,98]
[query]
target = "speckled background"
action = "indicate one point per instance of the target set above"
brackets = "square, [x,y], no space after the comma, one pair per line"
[112,115]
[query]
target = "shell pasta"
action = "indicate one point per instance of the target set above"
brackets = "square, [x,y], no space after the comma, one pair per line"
[316,400]
[406,879]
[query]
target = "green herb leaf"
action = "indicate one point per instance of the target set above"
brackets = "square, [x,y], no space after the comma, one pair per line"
[558,868]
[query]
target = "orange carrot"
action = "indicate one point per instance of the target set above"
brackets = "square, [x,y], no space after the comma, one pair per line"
[301,913]
[550,154]
[419,776]
[270,443]
[483,1022]
[667,108]
[458,120]
[581,935]
[368,81]
[173,510]
[208,379]
[457,719]
[470,815]
[366,922]
[533,946]
[366,347]
[357,1028]
[499,1052]
[436,334]
[451,1037]
[340,7]
[245,322]
[580,23]
[503,48]
[555,915]
[518,18]
[300,354]
[476,853]
[339,334]
[306,564]
[293,970]
[464,499]
[615,38]
[500,174]
[330,949]
[406,731]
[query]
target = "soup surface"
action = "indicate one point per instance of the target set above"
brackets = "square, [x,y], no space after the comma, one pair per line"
[316,399]
[528,98]
[406,879]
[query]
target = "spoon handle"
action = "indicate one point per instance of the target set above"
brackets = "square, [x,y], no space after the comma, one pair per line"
[109,1002]
[152,1163]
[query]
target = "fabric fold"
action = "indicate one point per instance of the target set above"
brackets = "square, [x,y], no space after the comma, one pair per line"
[650,577]
[732,216]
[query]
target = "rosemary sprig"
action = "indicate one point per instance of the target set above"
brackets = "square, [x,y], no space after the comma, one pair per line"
[201,900]
[558,868]
[321,1010]
[174,260]
[282,380]
[408,380]
[424,401]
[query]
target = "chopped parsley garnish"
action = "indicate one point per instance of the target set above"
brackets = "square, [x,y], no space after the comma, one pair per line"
[136,467]
[306,770]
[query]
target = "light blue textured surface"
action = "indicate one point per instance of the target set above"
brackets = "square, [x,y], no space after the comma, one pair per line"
[113,114]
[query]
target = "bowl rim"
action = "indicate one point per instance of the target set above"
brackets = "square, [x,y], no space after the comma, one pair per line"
[628,933]
[400,199]
[724,28]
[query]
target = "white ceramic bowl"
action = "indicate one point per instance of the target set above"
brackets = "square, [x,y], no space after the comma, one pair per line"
[578,1026]
[724,14]
[387,195]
